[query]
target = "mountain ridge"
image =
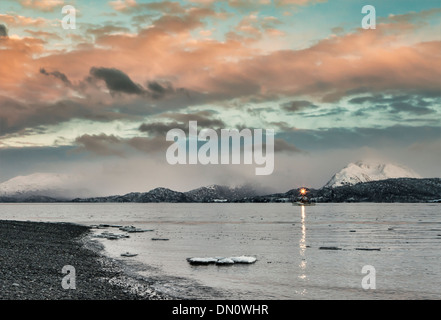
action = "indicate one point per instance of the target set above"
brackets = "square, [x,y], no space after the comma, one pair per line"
[40,184]
[357,182]
[366,171]
[403,190]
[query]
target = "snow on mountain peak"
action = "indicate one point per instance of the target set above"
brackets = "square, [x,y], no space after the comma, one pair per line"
[47,184]
[362,171]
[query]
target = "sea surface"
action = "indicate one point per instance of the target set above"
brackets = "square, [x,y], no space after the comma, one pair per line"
[294,247]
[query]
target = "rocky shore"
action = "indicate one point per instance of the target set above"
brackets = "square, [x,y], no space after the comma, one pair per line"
[33,255]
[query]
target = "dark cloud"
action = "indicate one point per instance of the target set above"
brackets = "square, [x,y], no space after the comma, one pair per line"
[111,145]
[57,75]
[181,121]
[350,138]
[3,31]
[161,129]
[380,99]
[331,112]
[297,105]
[159,90]
[149,145]
[202,117]
[116,80]
[362,100]
[101,144]
[409,108]
[15,116]
[370,110]
[412,104]
[156,87]
[281,145]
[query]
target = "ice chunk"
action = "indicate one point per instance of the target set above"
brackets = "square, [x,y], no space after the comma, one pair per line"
[203,261]
[128,254]
[111,236]
[225,261]
[133,229]
[222,260]
[243,259]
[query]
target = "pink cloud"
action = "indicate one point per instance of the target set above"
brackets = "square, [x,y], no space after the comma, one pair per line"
[15,20]
[213,70]
[42,5]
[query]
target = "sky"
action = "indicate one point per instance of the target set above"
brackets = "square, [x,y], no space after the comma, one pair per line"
[97,101]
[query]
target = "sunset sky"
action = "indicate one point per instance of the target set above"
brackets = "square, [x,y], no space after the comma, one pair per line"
[97,101]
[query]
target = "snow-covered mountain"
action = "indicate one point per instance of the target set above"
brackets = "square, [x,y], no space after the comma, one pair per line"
[357,182]
[62,186]
[363,171]
[204,194]
[216,192]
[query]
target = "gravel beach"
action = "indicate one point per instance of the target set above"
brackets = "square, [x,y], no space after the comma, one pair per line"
[32,257]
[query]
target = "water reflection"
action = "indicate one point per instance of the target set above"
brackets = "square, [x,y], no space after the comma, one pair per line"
[302,245]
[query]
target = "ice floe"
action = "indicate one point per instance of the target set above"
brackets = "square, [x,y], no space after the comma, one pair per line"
[222,260]
[225,261]
[111,236]
[202,261]
[243,259]
[132,229]
[128,254]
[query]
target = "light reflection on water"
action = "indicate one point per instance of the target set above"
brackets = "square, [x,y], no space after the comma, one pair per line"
[285,239]
[302,246]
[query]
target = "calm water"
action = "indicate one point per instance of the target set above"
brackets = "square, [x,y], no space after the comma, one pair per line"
[285,240]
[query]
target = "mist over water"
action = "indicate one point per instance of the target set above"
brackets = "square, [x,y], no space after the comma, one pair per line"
[285,239]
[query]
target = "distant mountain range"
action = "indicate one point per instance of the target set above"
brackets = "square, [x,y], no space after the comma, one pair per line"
[212,193]
[357,182]
[40,186]
[389,190]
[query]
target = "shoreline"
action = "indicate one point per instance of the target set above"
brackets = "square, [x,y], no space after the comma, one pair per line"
[33,254]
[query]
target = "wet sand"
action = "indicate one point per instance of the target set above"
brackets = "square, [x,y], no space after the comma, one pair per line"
[32,257]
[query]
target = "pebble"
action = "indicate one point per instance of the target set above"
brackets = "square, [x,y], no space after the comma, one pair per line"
[34,253]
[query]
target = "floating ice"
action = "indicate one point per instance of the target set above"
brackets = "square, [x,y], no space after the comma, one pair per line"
[203,261]
[243,259]
[111,236]
[222,260]
[133,229]
[225,261]
[128,254]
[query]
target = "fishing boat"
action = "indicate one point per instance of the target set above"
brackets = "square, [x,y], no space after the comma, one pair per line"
[303,199]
